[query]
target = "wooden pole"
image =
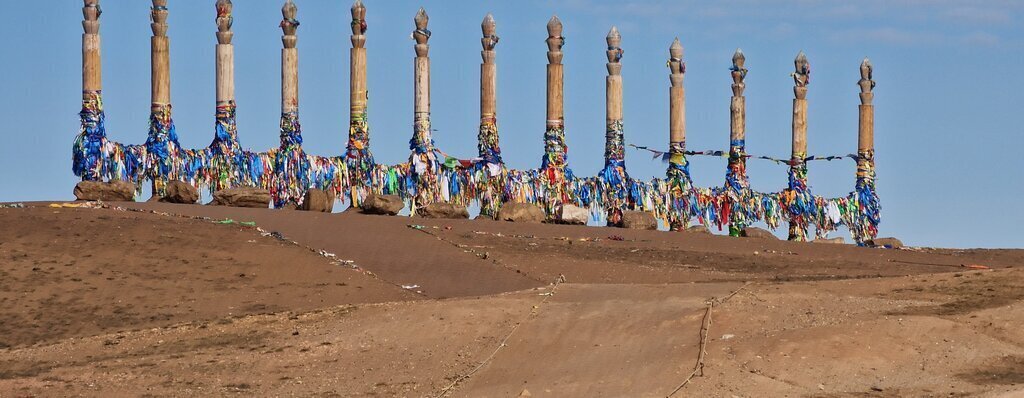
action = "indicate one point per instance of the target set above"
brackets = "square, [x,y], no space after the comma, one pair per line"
[678,172]
[555,146]
[867,222]
[798,166]
[617,197]
[225,54]
[92,76]
[423,159]
[736,177]
[160,56]
[555,162]
[487,139]
[161,144]
[488,147]
[359,159]
[289,60]
[89,155]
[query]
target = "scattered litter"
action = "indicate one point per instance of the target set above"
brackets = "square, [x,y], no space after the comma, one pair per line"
[410,287]
[616,237]
[78,205]
[225,221]
[728,336]
[12,205]
[974,266]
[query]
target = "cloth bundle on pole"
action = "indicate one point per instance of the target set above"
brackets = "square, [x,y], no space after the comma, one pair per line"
[555,175]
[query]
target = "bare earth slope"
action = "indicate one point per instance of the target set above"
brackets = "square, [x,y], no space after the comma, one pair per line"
[101,302]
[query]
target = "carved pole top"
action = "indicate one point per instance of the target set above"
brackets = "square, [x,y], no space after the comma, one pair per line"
[421,34]
[158,17]
[676,50]
[359,26]
[555,40]
[614,52]
[675,63]
[224,21]
[867,82]
[289,24]
[489,29]
[802,75]
[91,12]
[739,72]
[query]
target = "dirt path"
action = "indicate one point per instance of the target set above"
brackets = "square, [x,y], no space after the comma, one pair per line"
[817,320]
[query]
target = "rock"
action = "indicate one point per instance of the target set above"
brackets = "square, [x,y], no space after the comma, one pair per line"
[521,212]
[318,200]
[699,229]
[835,241]
[388,205]
[525,394]
[442,210]
[891,243]
[639,220]
[758,233]
[572,214]
[117,191]
[242,197]
[180,192]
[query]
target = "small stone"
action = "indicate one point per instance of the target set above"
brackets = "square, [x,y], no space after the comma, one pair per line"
[242,197]
[114,191]
[757,233]
[442,210]
[522,212]
[388,205]
[318,200]
[891,243]
[525,394]
[572,214]
[180,192]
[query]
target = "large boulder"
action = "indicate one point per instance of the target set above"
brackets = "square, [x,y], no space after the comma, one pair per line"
[116,191]
[835,241]
[639,220]
[180,192]
[242,197]
[757,233]
[572,214]
[382,204]
[699,229]
[442,210]
[318,200]
[521,212]
[891,243]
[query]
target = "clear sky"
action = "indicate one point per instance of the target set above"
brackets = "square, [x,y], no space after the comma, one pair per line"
[948,130]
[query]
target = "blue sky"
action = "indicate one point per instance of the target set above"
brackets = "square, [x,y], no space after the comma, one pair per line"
[948,132]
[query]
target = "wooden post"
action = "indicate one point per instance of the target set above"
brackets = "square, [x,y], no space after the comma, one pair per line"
[225,142]
[678,172]
[614,174]
[487,139]
[488,148]
[289,186]
[161,144]
[555,175]
[800,195]
[868,218]
[736,176]
[554,138]
[359,159]
[92,76]
[423,159]
[289,59]
[160,56]
[225,54]
[88,160]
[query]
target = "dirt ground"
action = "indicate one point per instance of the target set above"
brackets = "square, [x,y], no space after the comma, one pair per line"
[153,299]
